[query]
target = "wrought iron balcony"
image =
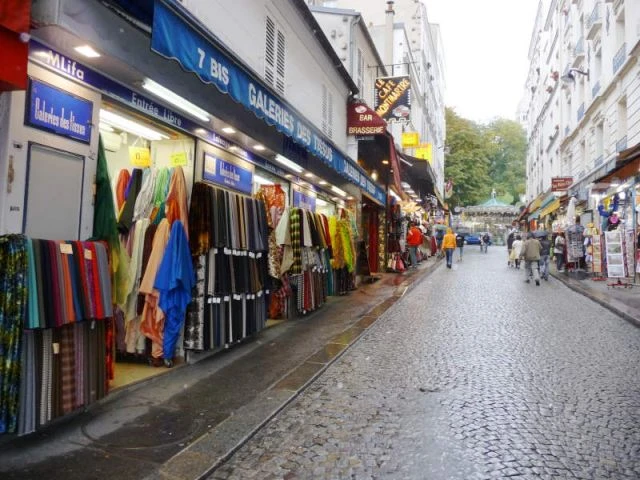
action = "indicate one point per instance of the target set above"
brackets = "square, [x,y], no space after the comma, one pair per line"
[595,89]
[599,161]
[621,144]
[594,22]
[581,111]
[619,58]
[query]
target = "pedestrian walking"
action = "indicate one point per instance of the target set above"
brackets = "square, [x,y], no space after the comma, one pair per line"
[531,255]
[448,246]
[510,239]
[516,249]
[558,251]
[414,240]
[545,252]
[460,245]
[484,242]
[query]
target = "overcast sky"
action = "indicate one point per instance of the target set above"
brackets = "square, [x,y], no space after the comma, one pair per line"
[486,43]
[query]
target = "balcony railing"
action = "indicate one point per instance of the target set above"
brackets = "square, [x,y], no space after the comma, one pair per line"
[599,161]
[581,112]
[619,58]
[621,144]
[594,22]
[595,89]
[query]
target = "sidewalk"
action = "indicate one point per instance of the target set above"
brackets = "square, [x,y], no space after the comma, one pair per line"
[182,424]
[624,301]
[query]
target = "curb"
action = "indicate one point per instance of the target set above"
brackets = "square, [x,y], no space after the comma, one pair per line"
[211,444]
[610,304]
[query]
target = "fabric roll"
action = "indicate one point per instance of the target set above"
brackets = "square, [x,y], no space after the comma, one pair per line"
[125,220]
[144,202]
[176,204]
[105,285]
[67,369]
[296,240]
[33,316]
[201,219]
[121,186]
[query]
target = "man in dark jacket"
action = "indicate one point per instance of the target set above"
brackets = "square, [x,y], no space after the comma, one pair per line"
[531,255]
[460,244]
[545,252]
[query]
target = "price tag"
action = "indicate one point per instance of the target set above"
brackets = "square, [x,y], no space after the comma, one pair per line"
[87,254]
[140,157]
[178,159]
[66,249]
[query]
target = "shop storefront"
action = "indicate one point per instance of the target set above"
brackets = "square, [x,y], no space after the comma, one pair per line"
[270,236]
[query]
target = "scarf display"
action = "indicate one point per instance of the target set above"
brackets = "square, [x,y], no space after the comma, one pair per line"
[229,235]
[55,300]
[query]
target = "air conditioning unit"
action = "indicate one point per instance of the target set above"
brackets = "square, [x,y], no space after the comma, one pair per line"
[112,141]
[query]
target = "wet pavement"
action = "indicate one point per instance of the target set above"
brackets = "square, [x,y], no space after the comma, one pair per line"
[474,374]
[180,424]
[467,373]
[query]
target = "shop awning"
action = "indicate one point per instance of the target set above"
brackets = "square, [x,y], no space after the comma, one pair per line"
[627,165]
[15,18]
[550,207]
[419,174]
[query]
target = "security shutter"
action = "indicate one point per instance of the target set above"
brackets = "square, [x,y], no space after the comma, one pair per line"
[327,112]
[275,56]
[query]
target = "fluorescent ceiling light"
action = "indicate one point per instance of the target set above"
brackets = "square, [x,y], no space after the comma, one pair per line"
[394,195]
[258,147]
[228,130]
[261,180]
[322,182]
[106,128]
[175,100]
[87,51]
[349,197]
[130,126]
[321,202]
[308,175]
[288,163]
[335,189]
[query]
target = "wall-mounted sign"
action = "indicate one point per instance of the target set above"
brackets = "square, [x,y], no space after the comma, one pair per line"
[561,184]
[227,174]
[410,139]
[301,200]
[140,157]
[178,159]
[361,120]
[59,112]
[393,98]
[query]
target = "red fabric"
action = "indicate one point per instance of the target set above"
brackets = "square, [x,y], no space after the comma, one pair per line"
[15,15]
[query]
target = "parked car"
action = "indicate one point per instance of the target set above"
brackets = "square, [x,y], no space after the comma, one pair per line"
[472,239]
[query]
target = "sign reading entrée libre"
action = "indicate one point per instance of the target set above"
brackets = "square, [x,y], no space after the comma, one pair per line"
[560,184]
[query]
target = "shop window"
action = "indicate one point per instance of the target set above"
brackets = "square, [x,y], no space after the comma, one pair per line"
[274,59]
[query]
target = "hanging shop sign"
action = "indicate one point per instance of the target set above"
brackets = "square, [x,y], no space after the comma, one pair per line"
[425,152]
[410,139]
[173,37]
[393,98]
[178,159]
[227,174]
[362,120]
[140,157]
[58,112]
[561,184]
[301,200]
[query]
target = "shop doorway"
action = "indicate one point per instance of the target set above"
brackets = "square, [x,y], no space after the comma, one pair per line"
[53,197]
[370,227]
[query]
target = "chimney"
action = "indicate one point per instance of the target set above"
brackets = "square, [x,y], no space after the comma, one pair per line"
[388,35]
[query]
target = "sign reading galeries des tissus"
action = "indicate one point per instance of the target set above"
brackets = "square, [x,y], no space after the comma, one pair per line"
[393,98]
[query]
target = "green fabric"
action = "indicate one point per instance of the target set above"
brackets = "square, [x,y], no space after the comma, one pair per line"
[104,228]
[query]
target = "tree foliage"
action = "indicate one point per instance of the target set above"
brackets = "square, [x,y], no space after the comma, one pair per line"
[482,158]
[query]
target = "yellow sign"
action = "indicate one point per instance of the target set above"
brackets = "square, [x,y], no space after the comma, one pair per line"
[178,159]
[410,139]
[425,152]
[140,157]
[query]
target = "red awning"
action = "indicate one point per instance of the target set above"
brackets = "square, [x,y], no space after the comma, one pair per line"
[15,18]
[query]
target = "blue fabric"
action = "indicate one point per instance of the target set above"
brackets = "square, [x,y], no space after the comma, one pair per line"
[174,281]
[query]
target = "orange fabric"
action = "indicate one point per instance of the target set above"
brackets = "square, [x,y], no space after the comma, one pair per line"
[121,187]
[15,15]
[152,320]
[176,204]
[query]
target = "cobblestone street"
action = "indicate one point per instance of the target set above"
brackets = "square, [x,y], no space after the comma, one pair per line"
[474,374]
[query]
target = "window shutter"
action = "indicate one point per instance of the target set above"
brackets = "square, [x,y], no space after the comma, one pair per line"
[270,52]
[330,115]
[280,64]
[323,126]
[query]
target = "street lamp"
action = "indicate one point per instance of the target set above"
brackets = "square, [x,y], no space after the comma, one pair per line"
[569,77]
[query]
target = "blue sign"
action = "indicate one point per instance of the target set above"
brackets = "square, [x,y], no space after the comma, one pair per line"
[172,37]
[301,200]
[227,174]
[59,112]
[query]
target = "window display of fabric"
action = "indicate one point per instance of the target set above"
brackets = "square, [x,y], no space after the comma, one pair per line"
[230,235]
